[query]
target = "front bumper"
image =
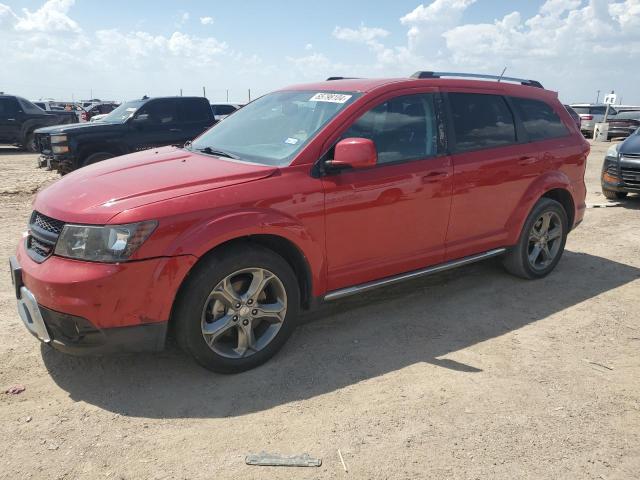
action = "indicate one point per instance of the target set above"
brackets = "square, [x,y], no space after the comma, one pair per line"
[626,171]
[83,307]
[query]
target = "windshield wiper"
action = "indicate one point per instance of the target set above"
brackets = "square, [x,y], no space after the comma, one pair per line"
[218,153]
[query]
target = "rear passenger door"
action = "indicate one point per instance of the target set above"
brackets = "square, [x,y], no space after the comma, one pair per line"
[492,167]
[195,117]
[9,121]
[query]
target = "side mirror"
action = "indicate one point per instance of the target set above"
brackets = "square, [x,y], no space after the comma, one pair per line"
[354,153]
[141,119]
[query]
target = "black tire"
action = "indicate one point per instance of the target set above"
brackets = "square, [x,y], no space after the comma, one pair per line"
[194,296]
[97,157]
[30,143]
[613,195]
[517,259]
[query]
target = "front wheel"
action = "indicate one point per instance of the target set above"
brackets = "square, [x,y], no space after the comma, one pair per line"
[97,157]
[30,143]
[541,242]
[237,309]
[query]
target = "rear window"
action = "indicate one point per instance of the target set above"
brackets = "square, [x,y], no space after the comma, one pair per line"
[223,109]
[28,107]
[481,121]
[540,120]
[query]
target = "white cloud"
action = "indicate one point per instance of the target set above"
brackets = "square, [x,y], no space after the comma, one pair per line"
[206,20]
[575,46]
[308,46]
[362,34]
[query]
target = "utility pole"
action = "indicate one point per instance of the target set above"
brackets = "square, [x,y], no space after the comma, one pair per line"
[249,95]
[204,92]
[227,94]
[91,94]
[598,97]
[180,92]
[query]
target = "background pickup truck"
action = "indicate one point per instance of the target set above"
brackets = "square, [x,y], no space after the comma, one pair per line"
[133,126]
[19,118]
[66,114]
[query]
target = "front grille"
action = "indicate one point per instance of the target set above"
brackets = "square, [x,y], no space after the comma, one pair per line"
[631,155]
[43,142]
[630,176]
[46,223]
[43,235]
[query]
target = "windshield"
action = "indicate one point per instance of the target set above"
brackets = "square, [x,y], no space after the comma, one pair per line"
[274,128]
[123,112]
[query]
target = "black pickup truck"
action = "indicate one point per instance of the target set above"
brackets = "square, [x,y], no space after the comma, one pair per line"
[133,126]
[19,118]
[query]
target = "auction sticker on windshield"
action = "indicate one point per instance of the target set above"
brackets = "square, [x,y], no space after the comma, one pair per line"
[330,97]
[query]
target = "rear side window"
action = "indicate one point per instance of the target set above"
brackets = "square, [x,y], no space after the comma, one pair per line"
[28,107]
[194,110]
[481,121]
[224,109]
[403,128]
[539,119]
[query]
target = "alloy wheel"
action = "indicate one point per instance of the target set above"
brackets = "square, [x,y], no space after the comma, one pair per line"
[244,312]
[545,240]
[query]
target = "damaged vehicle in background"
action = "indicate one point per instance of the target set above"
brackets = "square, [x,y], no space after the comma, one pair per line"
[133,126]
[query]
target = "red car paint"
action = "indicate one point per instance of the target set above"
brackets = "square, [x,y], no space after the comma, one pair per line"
[352,227]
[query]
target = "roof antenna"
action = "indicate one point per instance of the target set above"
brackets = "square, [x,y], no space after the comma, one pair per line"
[502,74]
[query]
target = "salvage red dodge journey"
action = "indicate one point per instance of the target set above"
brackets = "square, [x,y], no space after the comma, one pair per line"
[306,195]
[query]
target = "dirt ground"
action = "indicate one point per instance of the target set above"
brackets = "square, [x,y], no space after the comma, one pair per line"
[471,374]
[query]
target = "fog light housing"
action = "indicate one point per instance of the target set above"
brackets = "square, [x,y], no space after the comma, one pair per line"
[59,149]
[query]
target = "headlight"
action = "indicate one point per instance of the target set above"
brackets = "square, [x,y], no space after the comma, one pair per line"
[613,151]
[110,243]
[58,138]
[59,148]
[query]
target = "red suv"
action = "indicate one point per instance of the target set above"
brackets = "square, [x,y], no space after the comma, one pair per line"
[307,194]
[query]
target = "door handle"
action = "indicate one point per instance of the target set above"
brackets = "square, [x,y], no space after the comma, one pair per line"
[11,119]
[175,130]
[434,176]
[527,160]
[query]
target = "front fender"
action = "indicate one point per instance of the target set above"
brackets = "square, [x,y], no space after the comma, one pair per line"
[549,181]
[202,237]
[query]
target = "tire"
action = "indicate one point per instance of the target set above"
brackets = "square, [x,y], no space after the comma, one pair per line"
[212,325]
[613,195]
[535,242]
[30,143]
[97,157]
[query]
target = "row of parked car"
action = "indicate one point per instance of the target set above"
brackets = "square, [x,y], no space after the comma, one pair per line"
[168,121]
[623,121]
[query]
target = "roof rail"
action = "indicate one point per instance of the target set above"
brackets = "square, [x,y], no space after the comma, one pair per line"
[523,81]
[340,78]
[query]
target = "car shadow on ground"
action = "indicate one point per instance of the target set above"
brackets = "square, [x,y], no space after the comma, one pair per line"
[344,343]
[9,150]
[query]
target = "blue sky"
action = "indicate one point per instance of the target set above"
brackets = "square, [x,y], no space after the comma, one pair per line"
[123,49]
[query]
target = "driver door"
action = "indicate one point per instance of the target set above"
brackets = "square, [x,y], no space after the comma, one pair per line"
[391,218]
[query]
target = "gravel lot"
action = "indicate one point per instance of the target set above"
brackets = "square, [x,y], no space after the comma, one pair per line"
[469,374]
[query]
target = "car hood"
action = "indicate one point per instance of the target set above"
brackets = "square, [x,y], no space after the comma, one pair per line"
[80,128]
[96,193]
[631,144]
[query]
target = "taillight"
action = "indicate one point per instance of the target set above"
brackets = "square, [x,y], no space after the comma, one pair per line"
[587,117]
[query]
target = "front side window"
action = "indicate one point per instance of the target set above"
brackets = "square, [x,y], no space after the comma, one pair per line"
[159,112]
[403,128]
[123,112]
[539,120]
[481,121]
[8,107]
[273,129]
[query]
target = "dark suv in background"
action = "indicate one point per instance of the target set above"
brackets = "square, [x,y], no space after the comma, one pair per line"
[133,126]
[19,118]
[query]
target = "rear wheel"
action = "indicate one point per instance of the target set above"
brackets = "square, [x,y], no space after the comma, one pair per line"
[97,157]
[613,195]
[237,309]
[541,242]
